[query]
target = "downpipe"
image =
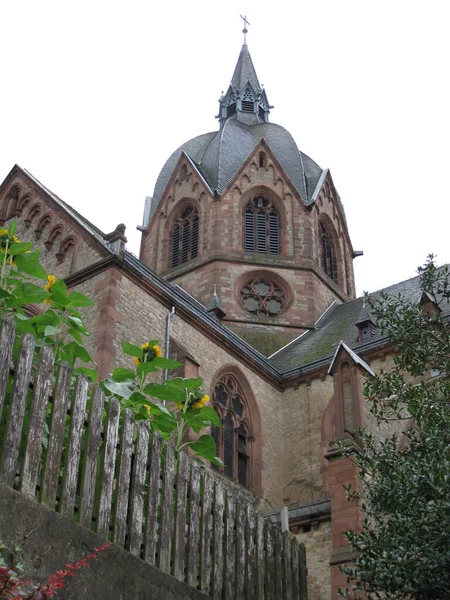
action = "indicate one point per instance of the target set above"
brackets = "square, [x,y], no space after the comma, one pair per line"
[168,325]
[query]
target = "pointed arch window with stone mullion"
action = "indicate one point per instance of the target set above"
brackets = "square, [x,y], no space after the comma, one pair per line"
[328,253]
[232,440]
[261,227]
[185,236]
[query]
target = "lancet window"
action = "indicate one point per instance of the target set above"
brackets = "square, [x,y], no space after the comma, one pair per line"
[261,226]
[232,440]
[328,253]
[185,235]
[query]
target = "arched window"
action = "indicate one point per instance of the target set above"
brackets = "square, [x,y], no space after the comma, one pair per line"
[262,160]
[261,226]
[185,235]
[328,253]
[233,439]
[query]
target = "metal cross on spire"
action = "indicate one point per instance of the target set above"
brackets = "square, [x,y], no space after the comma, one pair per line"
[245,30]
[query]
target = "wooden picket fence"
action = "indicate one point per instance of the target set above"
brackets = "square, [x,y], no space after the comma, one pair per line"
[116,478]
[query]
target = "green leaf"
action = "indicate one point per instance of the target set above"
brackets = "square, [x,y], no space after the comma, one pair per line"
[122,389]
[82,353]
[205,446]
[158,408]
[78,299]
[131,349]
[58,293]
[50,330]
[78,324]
[186,383]
[199,419]
[20,248]
[75,334]
[165,423]
[209,414]
[29,264]
[122,374]
[164,392]
[196,423]
[47,318]
[145,368]
[33,293]
[91,374]
[138,398]
[12,228]
[24,325]
[166,363]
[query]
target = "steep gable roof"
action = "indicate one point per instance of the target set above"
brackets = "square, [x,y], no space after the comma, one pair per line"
[316,348]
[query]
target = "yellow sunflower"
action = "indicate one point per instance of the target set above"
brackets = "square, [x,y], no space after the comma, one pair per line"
[48,286]
[200,403]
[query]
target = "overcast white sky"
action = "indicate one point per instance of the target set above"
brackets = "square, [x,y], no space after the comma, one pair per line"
[96,95]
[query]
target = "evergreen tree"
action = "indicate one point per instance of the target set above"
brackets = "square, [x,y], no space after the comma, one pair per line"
[403,550]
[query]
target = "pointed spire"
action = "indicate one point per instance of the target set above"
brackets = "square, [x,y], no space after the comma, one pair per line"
[245,72]
[214,308]
[245,99]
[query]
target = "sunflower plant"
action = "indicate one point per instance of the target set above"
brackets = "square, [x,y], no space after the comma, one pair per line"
[171,407]
[61,324]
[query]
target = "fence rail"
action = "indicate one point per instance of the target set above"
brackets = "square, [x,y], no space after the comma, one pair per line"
[112,475]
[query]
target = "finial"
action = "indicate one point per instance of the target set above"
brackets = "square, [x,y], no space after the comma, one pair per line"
[245,30]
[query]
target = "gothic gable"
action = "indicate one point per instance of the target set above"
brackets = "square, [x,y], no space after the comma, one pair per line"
[68,245]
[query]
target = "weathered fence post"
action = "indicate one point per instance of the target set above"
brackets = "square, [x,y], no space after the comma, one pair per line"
[123,489]
[69,484]
[194,528]
[165,530]
[230,548]
[109,461]
[218,542]
[138,489]
[205,567]
[89,473]
[38,409]
[60,403]
[6,347]
[10,455]
[179,547]
[151,521]
[303,572]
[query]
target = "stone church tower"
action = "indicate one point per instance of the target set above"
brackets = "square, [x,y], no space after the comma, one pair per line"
[243,211]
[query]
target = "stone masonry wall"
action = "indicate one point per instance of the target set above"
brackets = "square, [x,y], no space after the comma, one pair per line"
[221,259]
[303,410]
[140,317]
[318,546]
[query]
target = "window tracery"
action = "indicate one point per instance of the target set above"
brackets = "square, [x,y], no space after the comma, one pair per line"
[185,235]
[232,440]
[328,253]
[262,297]
[261,226]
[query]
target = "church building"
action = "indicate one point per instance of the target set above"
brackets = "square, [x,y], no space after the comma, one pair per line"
[246,271]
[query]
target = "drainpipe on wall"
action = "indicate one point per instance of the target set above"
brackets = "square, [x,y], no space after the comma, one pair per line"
[169,319]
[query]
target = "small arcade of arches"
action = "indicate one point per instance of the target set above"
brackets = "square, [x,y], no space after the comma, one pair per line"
[238,441]
[184,235]
[261,226]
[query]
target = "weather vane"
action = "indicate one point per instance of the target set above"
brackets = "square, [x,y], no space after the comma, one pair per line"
[245,30]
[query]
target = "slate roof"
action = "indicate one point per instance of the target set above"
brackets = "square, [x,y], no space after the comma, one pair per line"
[219,155]
[317,347]
[245,71]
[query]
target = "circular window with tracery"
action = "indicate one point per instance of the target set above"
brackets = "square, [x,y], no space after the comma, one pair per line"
[262,297]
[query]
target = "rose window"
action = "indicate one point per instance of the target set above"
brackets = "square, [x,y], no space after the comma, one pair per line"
[263,298]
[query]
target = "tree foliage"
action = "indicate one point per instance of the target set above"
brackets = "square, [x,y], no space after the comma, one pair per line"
[403,550]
